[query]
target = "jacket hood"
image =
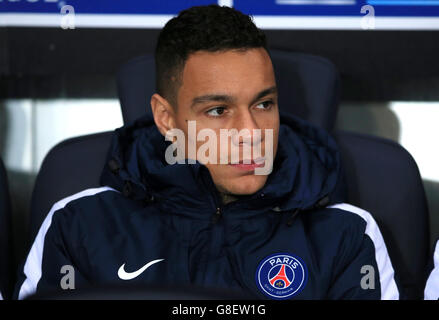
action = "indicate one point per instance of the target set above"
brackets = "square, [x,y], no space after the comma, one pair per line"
[306,172]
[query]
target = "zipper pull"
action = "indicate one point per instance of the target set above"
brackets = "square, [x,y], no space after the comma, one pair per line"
[216,216]
[292,217]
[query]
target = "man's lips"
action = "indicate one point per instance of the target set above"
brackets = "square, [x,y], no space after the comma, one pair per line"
[249,164]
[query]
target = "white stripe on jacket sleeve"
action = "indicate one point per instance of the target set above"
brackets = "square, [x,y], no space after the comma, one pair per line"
[389,289]
[33,264]
[432,287]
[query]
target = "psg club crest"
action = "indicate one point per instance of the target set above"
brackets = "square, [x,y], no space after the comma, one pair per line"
[281,276]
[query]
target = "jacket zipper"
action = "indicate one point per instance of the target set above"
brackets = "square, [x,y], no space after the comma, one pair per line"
[216,239]
[217,215]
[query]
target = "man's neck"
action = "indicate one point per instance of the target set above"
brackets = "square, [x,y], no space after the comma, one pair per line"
[227,198]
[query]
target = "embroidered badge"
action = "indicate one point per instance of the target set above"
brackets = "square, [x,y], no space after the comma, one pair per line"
[281,276]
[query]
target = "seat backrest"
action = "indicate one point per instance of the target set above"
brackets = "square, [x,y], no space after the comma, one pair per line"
[6,245]
[308,86]
[70,167]
[76,164]
[383,178]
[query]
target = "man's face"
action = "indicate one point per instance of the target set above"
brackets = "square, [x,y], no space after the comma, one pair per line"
[230,90]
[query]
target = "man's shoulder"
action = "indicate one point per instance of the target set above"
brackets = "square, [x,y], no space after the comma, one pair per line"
[84,197]
[83,194]
[341,215]
[350,227]
[357,216]
[343,223]
[89,204]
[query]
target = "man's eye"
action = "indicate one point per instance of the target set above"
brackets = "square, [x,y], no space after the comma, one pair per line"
[265,105]
[216,112]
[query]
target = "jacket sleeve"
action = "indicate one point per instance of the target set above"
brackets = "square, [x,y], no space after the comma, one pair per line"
[431,291]
[49,267]
[364,269]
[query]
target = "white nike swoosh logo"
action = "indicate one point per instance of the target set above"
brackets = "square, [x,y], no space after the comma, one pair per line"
[131,275]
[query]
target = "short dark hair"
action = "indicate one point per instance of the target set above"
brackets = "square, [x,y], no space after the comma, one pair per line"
[209,28]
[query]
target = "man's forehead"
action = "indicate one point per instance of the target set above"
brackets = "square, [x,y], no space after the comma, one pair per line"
[227,60]
[229,73]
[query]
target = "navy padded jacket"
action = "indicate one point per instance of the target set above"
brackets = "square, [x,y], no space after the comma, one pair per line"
[157,224]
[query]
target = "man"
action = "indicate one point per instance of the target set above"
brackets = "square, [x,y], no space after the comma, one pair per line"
[271,224]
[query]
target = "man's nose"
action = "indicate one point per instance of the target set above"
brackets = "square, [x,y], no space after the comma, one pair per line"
[248,129]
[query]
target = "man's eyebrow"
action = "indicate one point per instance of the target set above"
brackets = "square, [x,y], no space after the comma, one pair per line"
[212,97]
[264,93]
[229,99]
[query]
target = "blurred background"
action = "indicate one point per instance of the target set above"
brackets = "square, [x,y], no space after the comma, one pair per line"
[58,61]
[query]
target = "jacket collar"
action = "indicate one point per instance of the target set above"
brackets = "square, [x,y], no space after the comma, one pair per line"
[305,170]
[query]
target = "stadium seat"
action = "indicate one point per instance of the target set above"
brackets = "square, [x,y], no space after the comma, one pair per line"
[310,74]
[6,248]
[384,179]
[71,166]
[381,176]
[136,84]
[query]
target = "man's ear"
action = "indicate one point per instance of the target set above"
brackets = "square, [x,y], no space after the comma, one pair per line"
[163,113]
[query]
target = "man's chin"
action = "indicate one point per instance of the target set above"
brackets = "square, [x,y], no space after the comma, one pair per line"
[245,185]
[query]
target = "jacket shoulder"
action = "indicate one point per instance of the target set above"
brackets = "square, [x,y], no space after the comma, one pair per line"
[337,222]
[60,218]
[389,288]
[89,208]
